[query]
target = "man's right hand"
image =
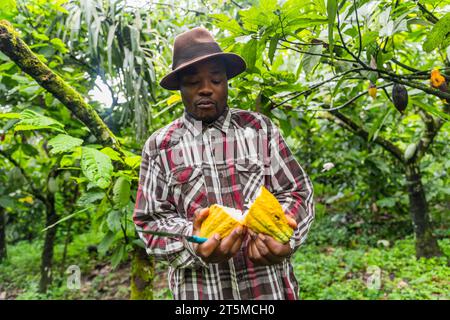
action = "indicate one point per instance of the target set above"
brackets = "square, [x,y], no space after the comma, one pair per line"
[215,250]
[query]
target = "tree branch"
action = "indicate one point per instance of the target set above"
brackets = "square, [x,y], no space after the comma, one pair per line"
[307,91]
[432,128]
[357,129]
[14,47]
[428,15]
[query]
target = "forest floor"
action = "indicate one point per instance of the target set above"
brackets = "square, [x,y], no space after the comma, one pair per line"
[325,272]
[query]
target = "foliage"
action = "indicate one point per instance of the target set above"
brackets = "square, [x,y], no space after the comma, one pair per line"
[308,62]
[339,273]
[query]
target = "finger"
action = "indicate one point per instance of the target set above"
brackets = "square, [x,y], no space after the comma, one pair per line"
[200,216]
[236,246]
[276,248]
[228,242]
[205,249]
[291,222]
[264,250]
[258,258]
[252,234]
[250,250]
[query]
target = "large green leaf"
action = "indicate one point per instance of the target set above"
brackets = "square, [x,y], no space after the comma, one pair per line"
[63,143]
[31,120]
[96,166]
[249,53]
[311,60]
[121,192]
[440,34]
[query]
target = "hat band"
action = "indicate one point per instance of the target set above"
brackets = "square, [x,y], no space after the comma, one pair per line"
[195,51]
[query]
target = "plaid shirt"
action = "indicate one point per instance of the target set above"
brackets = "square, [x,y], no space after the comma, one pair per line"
[186,166]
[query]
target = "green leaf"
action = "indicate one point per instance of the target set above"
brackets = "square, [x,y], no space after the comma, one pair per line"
[249,53]
[121,192]
[118,255]
[113,220]
[378,124]
[31,120]
[8,9]
[59,45]
[10,115]
[29,150]
[431,109]
[311,60]
[387,202]
[63,143]
[96,166]
[89,197]
[273,47]
[225,22]
[133,161]
[438,34]
[113,154]
[106,242]
[7,202]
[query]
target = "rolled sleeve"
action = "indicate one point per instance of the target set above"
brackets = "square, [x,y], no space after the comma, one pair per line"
[154,210]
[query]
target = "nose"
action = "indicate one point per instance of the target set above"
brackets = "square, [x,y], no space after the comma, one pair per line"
[205,89]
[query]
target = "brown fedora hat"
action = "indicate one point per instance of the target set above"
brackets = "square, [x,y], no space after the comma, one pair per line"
[196,45]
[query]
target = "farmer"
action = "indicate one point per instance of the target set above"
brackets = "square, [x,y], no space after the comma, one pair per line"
[217,154]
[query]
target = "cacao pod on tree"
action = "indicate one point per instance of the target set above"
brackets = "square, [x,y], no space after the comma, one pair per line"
[400,97]
[438,82]
[372,90]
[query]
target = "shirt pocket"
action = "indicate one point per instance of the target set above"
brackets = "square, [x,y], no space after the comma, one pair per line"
[186,185]
[250,177]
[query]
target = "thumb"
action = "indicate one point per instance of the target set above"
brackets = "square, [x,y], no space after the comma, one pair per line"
[291,222]
[200,216]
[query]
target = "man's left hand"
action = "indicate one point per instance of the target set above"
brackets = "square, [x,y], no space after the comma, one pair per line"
[265,250]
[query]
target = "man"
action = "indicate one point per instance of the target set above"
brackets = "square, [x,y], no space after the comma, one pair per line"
[216,154]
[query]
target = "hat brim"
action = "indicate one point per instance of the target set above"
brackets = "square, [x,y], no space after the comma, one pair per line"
[234,65]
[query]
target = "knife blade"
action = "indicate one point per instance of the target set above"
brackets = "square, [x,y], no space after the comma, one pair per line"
[195,239]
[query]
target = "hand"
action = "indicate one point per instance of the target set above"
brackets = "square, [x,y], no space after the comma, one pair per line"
[265,250]
[215,250]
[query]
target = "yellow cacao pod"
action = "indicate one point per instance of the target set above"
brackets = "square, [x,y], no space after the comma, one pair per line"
[372,90]
[221,220]
[267,216]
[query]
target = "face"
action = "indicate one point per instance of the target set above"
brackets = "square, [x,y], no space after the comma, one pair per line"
[204,89]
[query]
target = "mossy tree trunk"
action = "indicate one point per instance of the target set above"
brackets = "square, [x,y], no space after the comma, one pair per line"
[3,252]
[47,251]
[426,243]
[142,275]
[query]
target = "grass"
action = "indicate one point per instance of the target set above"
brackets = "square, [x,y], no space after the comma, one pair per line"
[372,273]
[324,272]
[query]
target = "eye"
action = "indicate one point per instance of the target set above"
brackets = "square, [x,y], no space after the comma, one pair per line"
[216,81]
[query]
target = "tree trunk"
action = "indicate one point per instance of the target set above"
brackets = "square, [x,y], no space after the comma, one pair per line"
[2,234]
[426,243]
[47,252]
[142,274]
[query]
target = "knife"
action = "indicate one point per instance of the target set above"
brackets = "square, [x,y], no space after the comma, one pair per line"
[195,239]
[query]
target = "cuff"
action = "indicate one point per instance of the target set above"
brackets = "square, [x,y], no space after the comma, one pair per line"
[188,231]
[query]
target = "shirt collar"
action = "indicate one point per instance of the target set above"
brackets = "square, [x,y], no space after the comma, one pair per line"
[196,127]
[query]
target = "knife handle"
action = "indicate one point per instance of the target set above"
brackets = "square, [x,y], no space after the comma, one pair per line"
[196,239]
